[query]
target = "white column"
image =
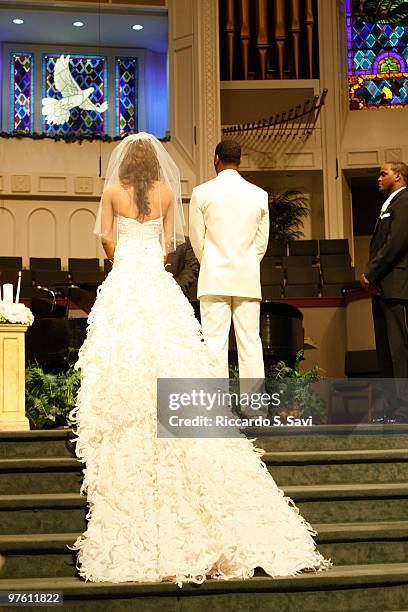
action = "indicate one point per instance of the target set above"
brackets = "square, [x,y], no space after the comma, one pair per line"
[194,83]
[333,76]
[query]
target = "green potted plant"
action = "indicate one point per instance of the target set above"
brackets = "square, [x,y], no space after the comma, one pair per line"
[298,398]
[50,396]
[287,212]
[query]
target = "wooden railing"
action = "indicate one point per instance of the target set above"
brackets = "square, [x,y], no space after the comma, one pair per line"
[293,125]
[268,39]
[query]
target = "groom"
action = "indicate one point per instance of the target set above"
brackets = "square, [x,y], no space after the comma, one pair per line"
[229,229]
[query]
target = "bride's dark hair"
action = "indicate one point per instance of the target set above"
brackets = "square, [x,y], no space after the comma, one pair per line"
[139,169]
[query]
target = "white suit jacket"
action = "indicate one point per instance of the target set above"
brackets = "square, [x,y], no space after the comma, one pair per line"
[229,230]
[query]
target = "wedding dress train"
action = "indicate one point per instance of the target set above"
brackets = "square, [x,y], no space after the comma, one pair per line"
[158,507]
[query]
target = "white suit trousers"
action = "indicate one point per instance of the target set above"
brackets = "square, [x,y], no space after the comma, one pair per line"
[216,313]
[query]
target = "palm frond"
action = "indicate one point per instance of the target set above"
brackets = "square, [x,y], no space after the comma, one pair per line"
[287,212]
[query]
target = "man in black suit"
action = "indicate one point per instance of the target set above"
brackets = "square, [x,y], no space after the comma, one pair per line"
[386,276]
[183,265]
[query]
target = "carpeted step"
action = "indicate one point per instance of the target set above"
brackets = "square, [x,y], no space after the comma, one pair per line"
[56,513]
[338,466]
[64,474]
[341,503]
[332,437]
[38,556]
[364,543]
[42,555]
[37,443]
[349,587]
[57,442]
[40,475]
[42,513]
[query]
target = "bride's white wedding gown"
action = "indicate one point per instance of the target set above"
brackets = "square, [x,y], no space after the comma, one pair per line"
[167,507]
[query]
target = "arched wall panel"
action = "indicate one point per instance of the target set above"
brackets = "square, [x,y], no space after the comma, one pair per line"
[82,241]
[7,232]
[42,233]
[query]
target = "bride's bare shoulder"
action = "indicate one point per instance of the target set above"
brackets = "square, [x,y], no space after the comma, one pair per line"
[114,193]
[114,189]
[165,191]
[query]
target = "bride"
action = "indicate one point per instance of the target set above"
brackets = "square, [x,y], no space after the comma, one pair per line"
[163,509]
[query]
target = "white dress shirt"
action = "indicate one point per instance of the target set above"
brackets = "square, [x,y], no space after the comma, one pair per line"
[387,202]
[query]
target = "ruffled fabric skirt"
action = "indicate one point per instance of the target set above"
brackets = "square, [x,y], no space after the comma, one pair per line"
[185,508]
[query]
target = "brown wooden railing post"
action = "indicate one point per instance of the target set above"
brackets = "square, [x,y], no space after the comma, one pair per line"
[296,29]
[262,42]
[245,34]
[230,29]
[309,32]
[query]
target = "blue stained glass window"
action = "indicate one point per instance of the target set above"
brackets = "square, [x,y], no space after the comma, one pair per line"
[21,92]
[87,71]
[126,95]
[377,56]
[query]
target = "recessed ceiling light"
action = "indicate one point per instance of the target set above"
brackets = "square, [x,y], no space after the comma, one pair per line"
[78,24]
[137,26]
[18,21]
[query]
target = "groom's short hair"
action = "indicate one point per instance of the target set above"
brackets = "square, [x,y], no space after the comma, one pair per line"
[229,151]
[399,166]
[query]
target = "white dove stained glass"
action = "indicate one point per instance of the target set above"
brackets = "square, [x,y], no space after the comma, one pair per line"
[57,111]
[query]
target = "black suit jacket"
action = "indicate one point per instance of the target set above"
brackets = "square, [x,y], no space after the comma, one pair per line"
[183,265]
[387,268]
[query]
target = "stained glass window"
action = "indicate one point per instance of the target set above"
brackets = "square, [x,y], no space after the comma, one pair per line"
[126,95]
[87,71]
[21,92]
[377,53]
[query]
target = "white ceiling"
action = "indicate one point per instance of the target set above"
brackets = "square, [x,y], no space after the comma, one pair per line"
[107,29]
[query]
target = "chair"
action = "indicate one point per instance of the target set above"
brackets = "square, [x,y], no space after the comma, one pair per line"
[270,261]
[107,266]
[87,277]
[79,263]
[332,290]
[302,282]
[303,247]
[302,276]
[337,279]
[271,276]
[11,263]
[333,246]
[277,248]
[361,364]
[358,365]
[271,291]
[271,282]
[51,279]
[301,291]
[338,275]
[45,263]
[297,261]
[11,276]
[353,390]
[340,260]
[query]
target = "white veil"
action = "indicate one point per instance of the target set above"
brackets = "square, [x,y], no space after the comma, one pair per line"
[141,165]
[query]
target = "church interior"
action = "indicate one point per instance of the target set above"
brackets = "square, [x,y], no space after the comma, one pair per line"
[315,92]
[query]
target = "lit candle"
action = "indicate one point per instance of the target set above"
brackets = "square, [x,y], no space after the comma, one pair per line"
[8,293]
[18,287]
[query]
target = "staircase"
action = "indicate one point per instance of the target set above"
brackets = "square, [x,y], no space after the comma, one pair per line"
[350,482]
